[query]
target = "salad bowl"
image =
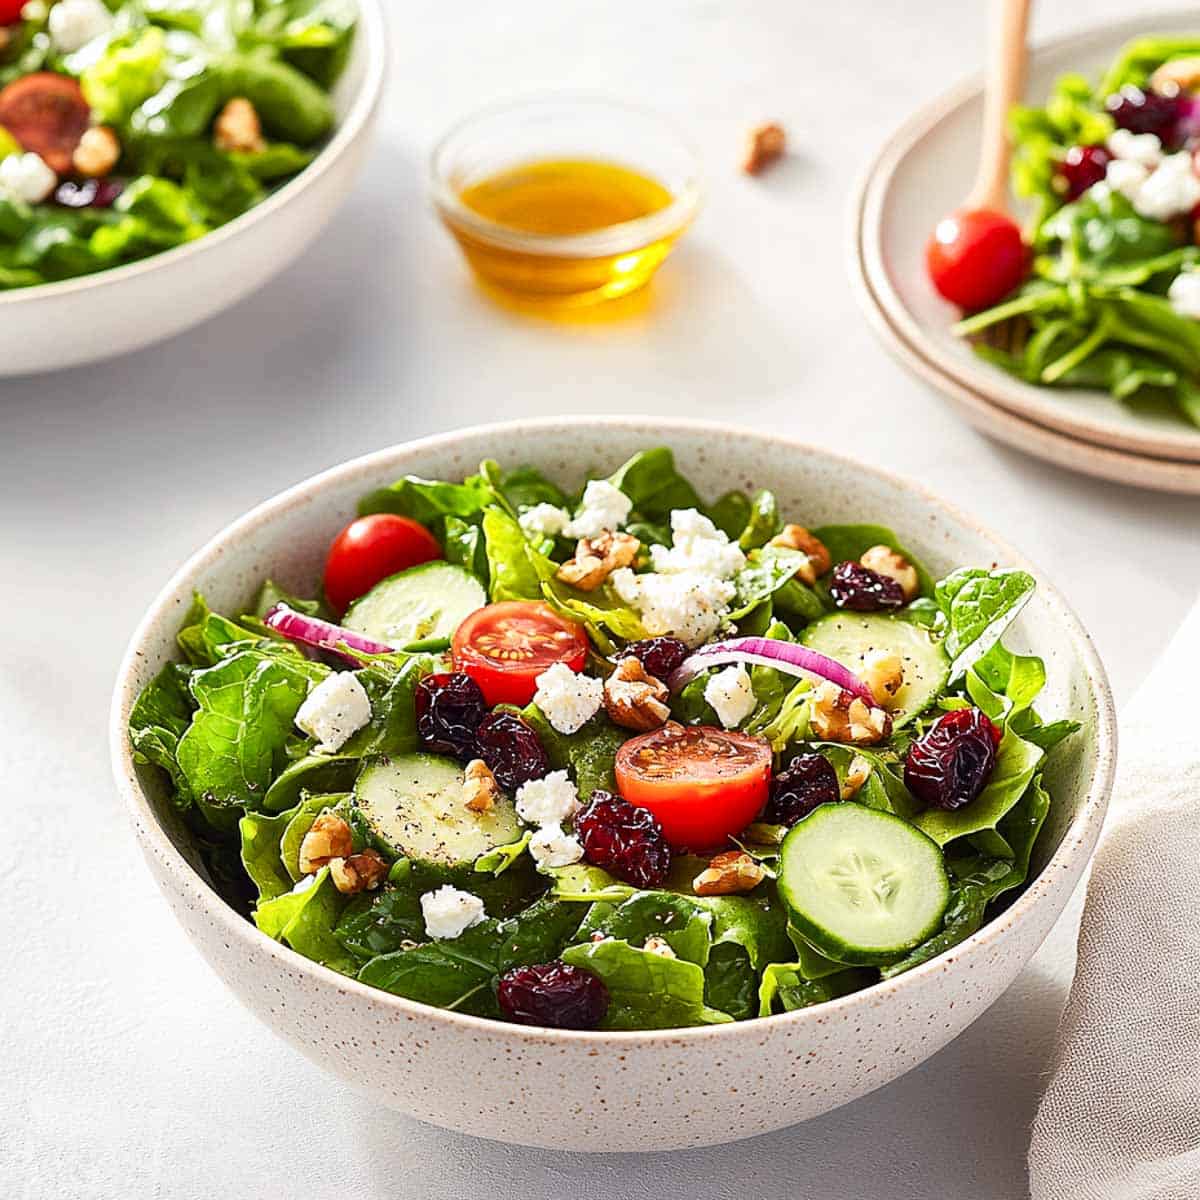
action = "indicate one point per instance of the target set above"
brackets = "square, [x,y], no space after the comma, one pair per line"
[618,1091]
[124,308]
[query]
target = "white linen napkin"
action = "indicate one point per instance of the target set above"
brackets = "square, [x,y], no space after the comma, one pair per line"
[1120,1118]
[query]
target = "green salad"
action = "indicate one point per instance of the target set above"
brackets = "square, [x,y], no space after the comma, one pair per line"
[1112,298]
[128,127]
[616,758]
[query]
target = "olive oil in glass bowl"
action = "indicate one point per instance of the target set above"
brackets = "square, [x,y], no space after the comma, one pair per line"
[565,201]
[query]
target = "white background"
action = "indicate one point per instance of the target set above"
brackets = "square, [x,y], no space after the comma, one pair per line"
[128,1069]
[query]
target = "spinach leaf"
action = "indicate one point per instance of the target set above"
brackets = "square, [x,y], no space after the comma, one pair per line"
[426,500]
[129,71]
[582,882]
[300,822]
[495,862]
[767,571]
[850,542]
[510,568]
[785,989]
[683,925]
[305,921]
[651,481]
[963,917]
[979,606]
[730,514]
[260,839]
[159,718]
[312,773]
[588,753]
[526,487]
[731,982]
[762,524]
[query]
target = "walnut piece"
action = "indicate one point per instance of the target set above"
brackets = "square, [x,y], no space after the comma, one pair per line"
[796,537]
[237,128]
[840,716]
[328,837]
[883,560]
[596,558]
[764,145]
[1176,75]
[660,946]
[480,790]
[358,873]
[883,672]
[857,773]
[96,152]
[633,699]
[729,873]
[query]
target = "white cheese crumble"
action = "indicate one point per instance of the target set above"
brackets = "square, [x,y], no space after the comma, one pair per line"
[550,800]
[449,911]
[27,177]
[689,605]
[1171,191]
[1184,294]
[603,507]
[551,847]
[334,710]
[1144,148]
[731,695]
[547,520]
[74,23]
[1125,176]
[568,700]
[697,545]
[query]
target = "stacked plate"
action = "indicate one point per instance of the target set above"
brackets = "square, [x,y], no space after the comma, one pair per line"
[923,171]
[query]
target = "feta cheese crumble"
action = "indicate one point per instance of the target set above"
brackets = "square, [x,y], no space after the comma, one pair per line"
[1184,294]
[603,507]
[551,847]
[731,695]
[546,520]
[689,605]
[1125,176]
[449,912]
[697,545]
[567,700]
[74,23]
[550,800]
[1144,148]
[1171,191]
[27,177]
[335,709]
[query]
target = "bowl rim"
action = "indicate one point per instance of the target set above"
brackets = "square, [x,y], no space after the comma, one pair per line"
[619,238]
[1078,838]
[372,33]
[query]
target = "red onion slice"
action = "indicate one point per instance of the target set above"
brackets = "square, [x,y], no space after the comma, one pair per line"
[769,652]
[325,635]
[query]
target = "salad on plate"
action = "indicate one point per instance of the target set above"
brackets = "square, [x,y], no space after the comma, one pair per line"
[129,127]
[618,758]
[1109,292]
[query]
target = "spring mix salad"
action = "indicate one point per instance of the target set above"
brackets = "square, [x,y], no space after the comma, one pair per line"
[619,758]
[128,127]
[1111,300]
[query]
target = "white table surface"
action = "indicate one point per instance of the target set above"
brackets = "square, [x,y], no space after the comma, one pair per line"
[129,1070]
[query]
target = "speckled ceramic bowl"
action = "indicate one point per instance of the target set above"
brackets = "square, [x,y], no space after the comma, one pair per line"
[621,1091]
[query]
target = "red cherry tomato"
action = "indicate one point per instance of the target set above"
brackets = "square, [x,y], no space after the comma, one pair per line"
[976,257]
[702,783]
[10,11]
[371,549]
[505,647]
[47,114]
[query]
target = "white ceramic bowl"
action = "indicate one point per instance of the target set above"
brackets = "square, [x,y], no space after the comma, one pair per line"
[113,312]
[620,1091]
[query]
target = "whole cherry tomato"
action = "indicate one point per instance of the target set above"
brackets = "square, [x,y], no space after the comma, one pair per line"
[371,549]
[976,257]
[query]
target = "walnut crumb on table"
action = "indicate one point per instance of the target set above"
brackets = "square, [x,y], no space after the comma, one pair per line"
[765,144]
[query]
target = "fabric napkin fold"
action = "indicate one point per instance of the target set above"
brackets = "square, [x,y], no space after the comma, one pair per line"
[1120,1118]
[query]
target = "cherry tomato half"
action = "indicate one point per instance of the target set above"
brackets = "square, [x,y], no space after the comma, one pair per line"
[702,783]
[505,647]
[47,114]
[976,257]
[10,11]
[371,549]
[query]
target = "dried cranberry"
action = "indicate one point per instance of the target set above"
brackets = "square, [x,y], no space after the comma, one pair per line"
[624,839]
[1144,110]
[1083,166]
[860,589]
[91,193]
[555,994]
[806,783]
[511,747]
[661,656]
[450,708]
[949,765]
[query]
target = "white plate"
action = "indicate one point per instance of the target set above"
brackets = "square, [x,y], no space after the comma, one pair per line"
[924,171]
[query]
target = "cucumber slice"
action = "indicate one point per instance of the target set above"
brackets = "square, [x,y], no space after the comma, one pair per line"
[848,637]
[862,886]
[421,604]
[413,804]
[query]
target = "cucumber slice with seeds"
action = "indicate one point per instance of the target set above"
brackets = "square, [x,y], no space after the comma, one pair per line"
[421,604]
[862,886]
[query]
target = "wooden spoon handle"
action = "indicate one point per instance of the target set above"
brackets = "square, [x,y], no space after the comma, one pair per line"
[1007,53]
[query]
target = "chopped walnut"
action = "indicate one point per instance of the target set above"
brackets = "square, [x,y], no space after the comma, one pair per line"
[857,773]
[840,716]
[358,873]
[729,873]
[633,699]
[796,537]
[764,144]
[328,837]
[480,790]
[1176,75]
[883,672]
[883,560]
[96,152]
[660,946]
[596,558]
[237,128]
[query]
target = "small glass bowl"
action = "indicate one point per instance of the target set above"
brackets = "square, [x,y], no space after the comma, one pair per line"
[573,269]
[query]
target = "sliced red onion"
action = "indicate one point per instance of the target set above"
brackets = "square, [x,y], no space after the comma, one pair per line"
[769,652]
[325,635]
